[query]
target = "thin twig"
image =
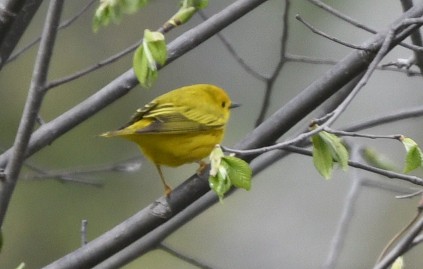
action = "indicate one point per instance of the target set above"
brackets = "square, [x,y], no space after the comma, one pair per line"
[307,59]
[78,175]
[63,25]
[288,147]
[363,81]
[354,22]
[348,209]
[84,224]
[353,134]
[404,244]
[410,195]
[282,145]
[334,39]
[416,37]
[183,257]
[393,116]
[390,174]
[312,60]
[342,16]
[234,54]
[87,70]
[392,187]
[270,82]
[32,105]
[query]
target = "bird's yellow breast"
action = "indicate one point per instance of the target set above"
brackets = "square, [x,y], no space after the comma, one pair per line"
[177,149]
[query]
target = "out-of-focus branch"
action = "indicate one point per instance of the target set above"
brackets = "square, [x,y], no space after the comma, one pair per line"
[15,16]
[403,245]
[415,37]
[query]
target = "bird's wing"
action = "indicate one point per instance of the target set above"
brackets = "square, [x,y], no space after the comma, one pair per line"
[168,118]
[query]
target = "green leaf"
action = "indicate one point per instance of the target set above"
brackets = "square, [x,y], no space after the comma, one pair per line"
[103,15]
[414,157]
[187,10]
[408,143]
[239,172]
[157,46]
[228,171]
[220,183]
[198,4]
[182,16]
[112,11]
[337,149]
[322,157]
[153,51]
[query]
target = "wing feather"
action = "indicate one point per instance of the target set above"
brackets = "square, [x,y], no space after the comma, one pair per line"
[168,118]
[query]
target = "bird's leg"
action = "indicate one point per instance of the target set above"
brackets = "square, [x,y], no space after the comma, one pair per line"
[202,166]
[167,188]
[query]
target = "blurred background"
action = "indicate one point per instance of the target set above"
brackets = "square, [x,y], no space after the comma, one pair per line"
[286,220]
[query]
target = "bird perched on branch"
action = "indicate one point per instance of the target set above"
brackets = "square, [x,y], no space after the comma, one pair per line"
[178,127]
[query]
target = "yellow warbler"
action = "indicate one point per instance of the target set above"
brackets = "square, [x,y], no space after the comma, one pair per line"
[181,126]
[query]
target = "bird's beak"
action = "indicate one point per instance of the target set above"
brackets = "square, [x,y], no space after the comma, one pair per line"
[234,105]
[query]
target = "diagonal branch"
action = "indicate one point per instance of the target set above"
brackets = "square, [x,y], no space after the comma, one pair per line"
[405,243]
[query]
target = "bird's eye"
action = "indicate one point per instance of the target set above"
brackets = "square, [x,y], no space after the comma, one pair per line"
[223,104]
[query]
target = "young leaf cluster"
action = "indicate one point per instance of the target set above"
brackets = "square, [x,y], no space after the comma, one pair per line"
[186,11]
[413,159]
[328,148]
[228,171]
[153,51]
[113,10]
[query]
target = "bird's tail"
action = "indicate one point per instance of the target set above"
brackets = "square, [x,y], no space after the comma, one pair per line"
[110,134]
[123,132]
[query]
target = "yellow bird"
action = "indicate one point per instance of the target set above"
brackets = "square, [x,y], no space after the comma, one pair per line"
[181,126]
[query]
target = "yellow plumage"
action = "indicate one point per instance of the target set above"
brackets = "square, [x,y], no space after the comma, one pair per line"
[181,126]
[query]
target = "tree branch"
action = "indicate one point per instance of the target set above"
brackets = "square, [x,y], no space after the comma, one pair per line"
[404,244]
[32,105]
[15,16]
